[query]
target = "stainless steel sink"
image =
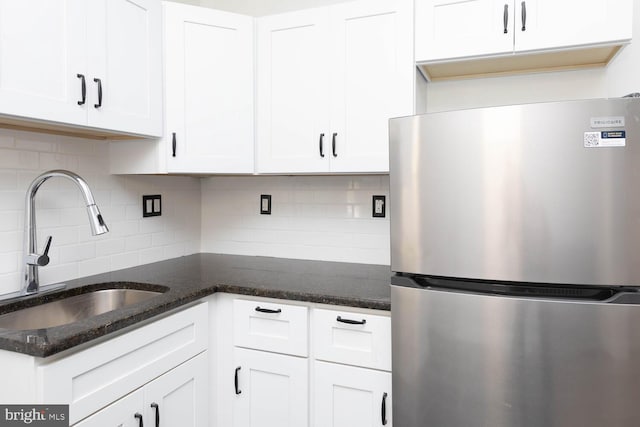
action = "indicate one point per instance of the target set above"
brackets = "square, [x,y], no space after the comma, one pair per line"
[73,309]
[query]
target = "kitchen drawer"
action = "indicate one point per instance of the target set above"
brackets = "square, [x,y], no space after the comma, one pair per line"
[270,326]
[352,338]
[100,374]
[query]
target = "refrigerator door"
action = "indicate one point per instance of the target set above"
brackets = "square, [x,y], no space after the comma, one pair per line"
[535,193]
[463,359]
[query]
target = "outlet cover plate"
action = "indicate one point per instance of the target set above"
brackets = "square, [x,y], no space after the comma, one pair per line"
[378,207]
[151,205]
[265,204]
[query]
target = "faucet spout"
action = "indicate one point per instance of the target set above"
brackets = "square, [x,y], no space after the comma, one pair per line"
[32,260]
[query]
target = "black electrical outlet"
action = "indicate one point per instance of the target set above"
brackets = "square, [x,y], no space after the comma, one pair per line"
[378,207]
[265,204]
[152,205]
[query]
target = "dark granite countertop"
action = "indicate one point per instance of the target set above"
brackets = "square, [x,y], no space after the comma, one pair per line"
[192,277]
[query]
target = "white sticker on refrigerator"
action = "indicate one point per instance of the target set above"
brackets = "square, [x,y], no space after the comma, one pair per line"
[607,122]
[609,138]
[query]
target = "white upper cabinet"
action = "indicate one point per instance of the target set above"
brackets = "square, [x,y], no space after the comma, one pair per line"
[55,55]
[544,24]
[328,81]
[293,92]
[372,74]
[42,50]
[209,90]
[455,30]
[124,67]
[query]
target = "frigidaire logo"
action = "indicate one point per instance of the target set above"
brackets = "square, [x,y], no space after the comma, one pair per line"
[34,415]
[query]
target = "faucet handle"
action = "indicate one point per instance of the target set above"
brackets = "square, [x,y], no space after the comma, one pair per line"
[41,259]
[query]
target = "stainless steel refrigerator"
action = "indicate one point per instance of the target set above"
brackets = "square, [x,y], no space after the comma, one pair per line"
[515,239]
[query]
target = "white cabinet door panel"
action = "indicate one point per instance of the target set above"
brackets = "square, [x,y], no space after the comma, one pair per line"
[42,50]
[351,397]
[125,41]
[372,80]
[568,23]
[180,395]
[293,92]
[273,390]
[447,29]
[209,90]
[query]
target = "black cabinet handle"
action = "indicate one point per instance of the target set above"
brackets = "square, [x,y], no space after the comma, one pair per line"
[99,104]
[173,144]
[321,143]
[84,88]
[139,417]
[351,322]
[333,144]
[235,381]
[505,18]
[157,408]
[384,409]
[268,310]
[524,16]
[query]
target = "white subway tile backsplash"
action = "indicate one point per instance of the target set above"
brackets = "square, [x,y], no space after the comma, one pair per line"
[77,252]
[8,262]
[8,220]
[110,247]
[8,181]
[313,217]
[140,241]
[61,213]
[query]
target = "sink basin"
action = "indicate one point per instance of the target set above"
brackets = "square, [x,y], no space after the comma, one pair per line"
[73,309]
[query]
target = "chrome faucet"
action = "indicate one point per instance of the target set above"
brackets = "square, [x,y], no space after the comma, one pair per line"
[32,259]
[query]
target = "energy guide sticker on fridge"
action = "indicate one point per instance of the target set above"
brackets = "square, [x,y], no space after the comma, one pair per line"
[609,138]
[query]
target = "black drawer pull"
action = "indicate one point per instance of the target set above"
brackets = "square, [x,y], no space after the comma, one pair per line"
[333,144]
[351,322]
[139,417]
[157,408]
[173,144]
[268,310]
[235,381]
[505,18]
[384,409]
[321,145]
[83,83]
[524,16]
[99,104]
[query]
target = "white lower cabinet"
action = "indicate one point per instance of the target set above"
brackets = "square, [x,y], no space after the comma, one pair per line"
[347,396]
[177,398]
[297,364]
[271,390]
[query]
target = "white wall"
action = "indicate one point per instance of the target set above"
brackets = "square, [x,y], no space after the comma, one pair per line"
[313,217]
[61,214]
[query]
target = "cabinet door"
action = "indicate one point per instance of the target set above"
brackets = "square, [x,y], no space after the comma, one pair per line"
[447,29]
[124,52]
[209,90]
[543,24]
[293,92]
[351,397]
[272,390]
[42,50]
[179,397]
[372,70]
[121,413]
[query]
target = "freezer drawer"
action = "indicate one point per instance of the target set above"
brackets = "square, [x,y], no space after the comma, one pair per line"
[462,359]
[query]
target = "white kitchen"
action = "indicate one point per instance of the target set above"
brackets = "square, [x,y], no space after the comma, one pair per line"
[238,153]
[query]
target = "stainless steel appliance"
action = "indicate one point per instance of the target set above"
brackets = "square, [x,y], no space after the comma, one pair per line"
[515,238]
